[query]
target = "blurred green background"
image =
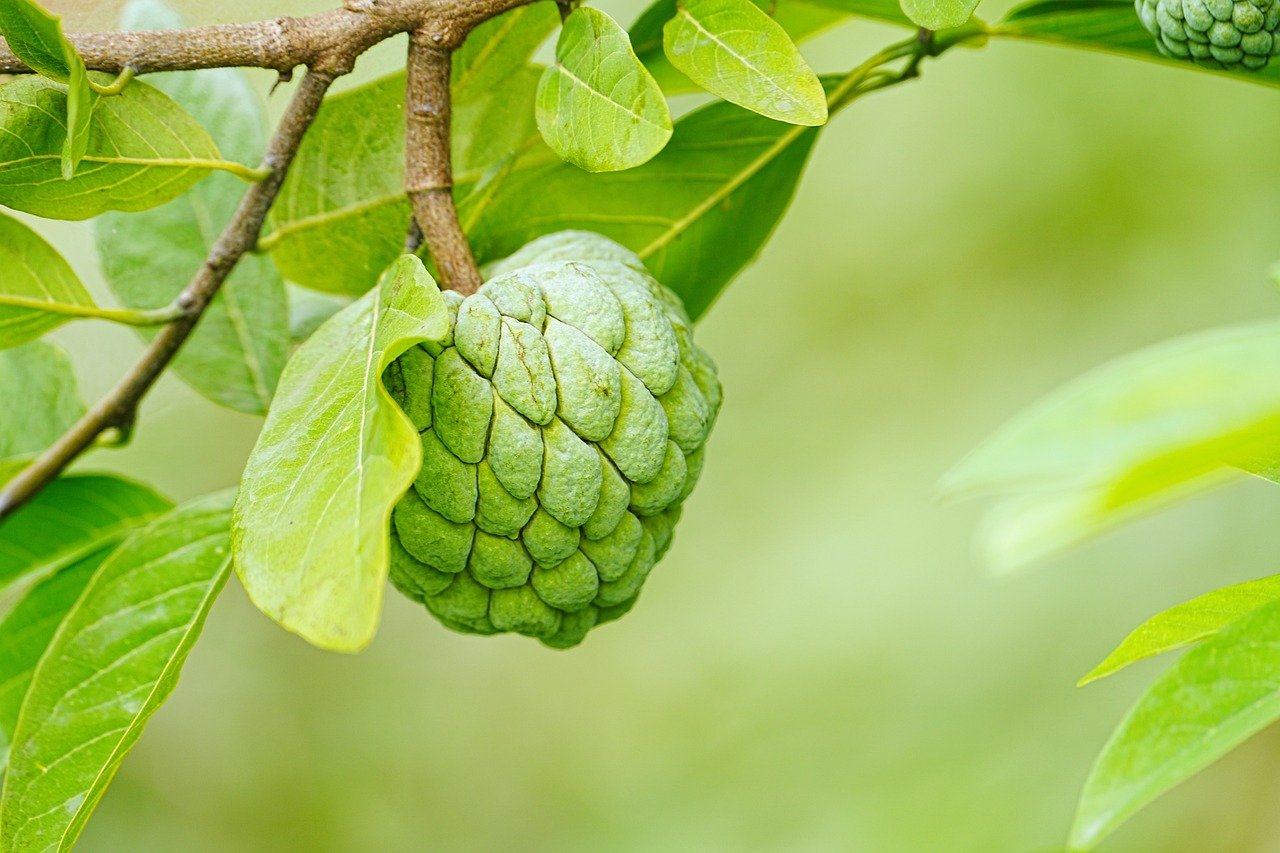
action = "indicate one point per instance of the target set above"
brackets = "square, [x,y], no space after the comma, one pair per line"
[820,663]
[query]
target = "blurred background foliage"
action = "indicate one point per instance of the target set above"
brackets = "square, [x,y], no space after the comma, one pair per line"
[821,663]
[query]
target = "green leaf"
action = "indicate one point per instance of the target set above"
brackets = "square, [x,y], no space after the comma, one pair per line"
[112,663]
[1187,623]
[35,37]
[1219,694]
[1110,25]
[499,48]
[341,215]
[939,14]
[735,51]
[598,106]
[25,633]
[40,375]
[235,355]
[1130,436]
[80,102]
[34,272]
[72,517]
[724,181]
[143,151]
[311,524]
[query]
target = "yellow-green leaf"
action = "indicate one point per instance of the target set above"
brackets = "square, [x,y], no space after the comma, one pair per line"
[38,289]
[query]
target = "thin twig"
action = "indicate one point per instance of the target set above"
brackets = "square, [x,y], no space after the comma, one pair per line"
[118,409]
[428,173]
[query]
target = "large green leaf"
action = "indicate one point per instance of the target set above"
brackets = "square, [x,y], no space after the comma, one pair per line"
[734,50]
[34,272]
[724,181]
[40,375]
[1110,25]
[1220,693]
[598,106]
[499,48]
[888,11]
[235,355]
[71,518]
[25,633]
[143,151]
[1127,437]
[1188,623]
[311,524]
[114,660]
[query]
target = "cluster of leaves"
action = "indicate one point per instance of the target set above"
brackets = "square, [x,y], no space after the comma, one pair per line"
[104,585]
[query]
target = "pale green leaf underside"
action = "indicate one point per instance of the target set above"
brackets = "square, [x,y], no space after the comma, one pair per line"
[235,355]
[734,50]
[1220,693]
[25,633]
[1130,435]
[114,660]
[311,524]
[39,374]
[1188,623]
[33,270]
[143,151]
[939,14]
[71,518]
[598,107]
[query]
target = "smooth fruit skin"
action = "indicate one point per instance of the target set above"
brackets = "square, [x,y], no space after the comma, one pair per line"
[563,424]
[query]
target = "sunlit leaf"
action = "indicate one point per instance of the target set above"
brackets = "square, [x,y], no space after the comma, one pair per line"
[35,36]
[234,357]
[1220,693]
[25,633]
[143,151]
[939,14]
[1129,436]
[40,375]
[33,270]
[1110,25]
[1187,623]
[114,660]
[734,50]
[72,517]
[311,524]
[598,106]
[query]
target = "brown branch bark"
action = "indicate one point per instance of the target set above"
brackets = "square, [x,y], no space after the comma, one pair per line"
[328,44]
[428,172]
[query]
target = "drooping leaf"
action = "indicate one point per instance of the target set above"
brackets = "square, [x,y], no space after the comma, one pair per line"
[1132,435]
[114,660]
[35,36]
[939,14]
[1219,694]
[33,270]
[25,633]
[734,50]
[1110,25]
[80,103]
[143,151]
[39,385]
[234,357]
[72,517]
[800,19]
[724,181]
[1188,623]
[310,533]
[598,106]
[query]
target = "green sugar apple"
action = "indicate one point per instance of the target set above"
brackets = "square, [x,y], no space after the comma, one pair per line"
[563,423]
[1216,33]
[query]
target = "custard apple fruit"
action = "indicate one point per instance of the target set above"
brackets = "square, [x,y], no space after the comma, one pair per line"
[1217,33]
[563,423]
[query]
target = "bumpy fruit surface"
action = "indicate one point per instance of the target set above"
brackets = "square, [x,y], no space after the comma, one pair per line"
[1216,33]
[563,423]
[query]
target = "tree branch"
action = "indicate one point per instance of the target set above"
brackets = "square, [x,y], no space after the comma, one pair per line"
[428,172]
[118,409]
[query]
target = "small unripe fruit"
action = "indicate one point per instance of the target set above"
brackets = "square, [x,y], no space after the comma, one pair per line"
[1242,34]
[563,424]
